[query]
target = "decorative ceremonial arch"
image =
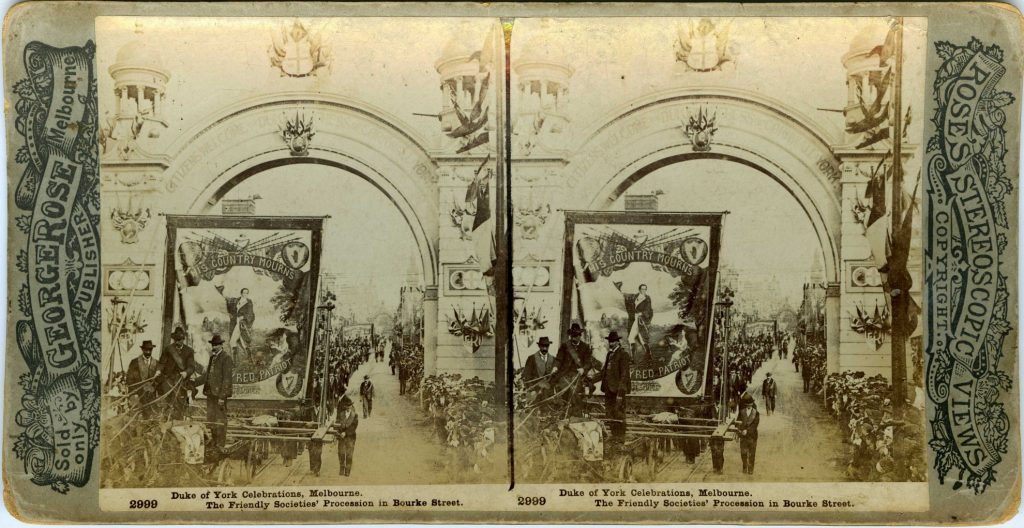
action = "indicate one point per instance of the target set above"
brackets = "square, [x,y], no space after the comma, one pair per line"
[771,137]
[245,139]
[766,135]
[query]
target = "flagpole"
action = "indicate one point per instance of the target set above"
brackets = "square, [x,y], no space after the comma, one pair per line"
[897,289]
[503,370]
[502,315]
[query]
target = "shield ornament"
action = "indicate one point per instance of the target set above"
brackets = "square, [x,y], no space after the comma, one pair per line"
[288,383]
[295,254]
[694,250]
[704,54]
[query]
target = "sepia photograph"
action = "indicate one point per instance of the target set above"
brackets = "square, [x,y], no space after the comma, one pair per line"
[512,263]
[298,222]
[714,215]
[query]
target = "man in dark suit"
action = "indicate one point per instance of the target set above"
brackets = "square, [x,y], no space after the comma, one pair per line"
[217,389]
[746,429]
[345,427]
[769,390]
[141,378]
[403,376]
[641,312]
[574,360]
[243,315]
[573,356]
[539,364]
[366,394]
[176,367]
[616,384]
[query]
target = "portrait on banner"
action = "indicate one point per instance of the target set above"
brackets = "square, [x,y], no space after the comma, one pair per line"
[649,282]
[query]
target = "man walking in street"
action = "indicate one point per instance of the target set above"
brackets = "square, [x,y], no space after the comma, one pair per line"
[366,394]
[769,390]
[345,427]
[746,429]
[217,389]
[615,384]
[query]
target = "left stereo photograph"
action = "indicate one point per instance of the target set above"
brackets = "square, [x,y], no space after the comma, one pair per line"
[271,311]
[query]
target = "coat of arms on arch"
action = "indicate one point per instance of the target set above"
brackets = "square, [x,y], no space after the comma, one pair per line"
[298,51]
[704,46]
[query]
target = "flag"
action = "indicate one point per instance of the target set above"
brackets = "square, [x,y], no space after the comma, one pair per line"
[877,225]
[872,116]
[482,234]
[473,122]
[887,50]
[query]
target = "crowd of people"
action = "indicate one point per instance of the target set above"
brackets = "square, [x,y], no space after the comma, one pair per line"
[746,355]
[346,355]
[809,360]
[404,361]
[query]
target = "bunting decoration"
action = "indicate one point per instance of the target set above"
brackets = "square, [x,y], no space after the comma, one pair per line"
[873,326]
[474,328]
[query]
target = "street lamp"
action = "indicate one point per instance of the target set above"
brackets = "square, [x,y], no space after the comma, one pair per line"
[326,310]
[725,303]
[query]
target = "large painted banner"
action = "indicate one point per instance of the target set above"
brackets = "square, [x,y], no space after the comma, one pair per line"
[252,281]
[650,278]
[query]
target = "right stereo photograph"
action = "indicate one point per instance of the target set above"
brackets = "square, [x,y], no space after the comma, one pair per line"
[706,229]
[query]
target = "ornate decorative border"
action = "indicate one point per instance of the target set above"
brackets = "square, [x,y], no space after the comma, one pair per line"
[968,297]
[57,208]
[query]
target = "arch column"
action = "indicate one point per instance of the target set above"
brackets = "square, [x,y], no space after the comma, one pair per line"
[430,330]
[832,307]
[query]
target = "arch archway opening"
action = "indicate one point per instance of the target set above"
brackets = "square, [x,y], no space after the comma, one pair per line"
[720,180]
[371,252]
[775,253]
[770,237]
[320,175]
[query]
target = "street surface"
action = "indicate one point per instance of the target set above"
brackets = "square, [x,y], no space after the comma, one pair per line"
[800,442]
[394,446]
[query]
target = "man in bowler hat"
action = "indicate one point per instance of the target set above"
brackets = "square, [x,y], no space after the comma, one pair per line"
[574,359]
[141,378]
[217,389]
[746,429]
[573,355]
[540,363]
[615,384]
[176,368]
[345,427]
